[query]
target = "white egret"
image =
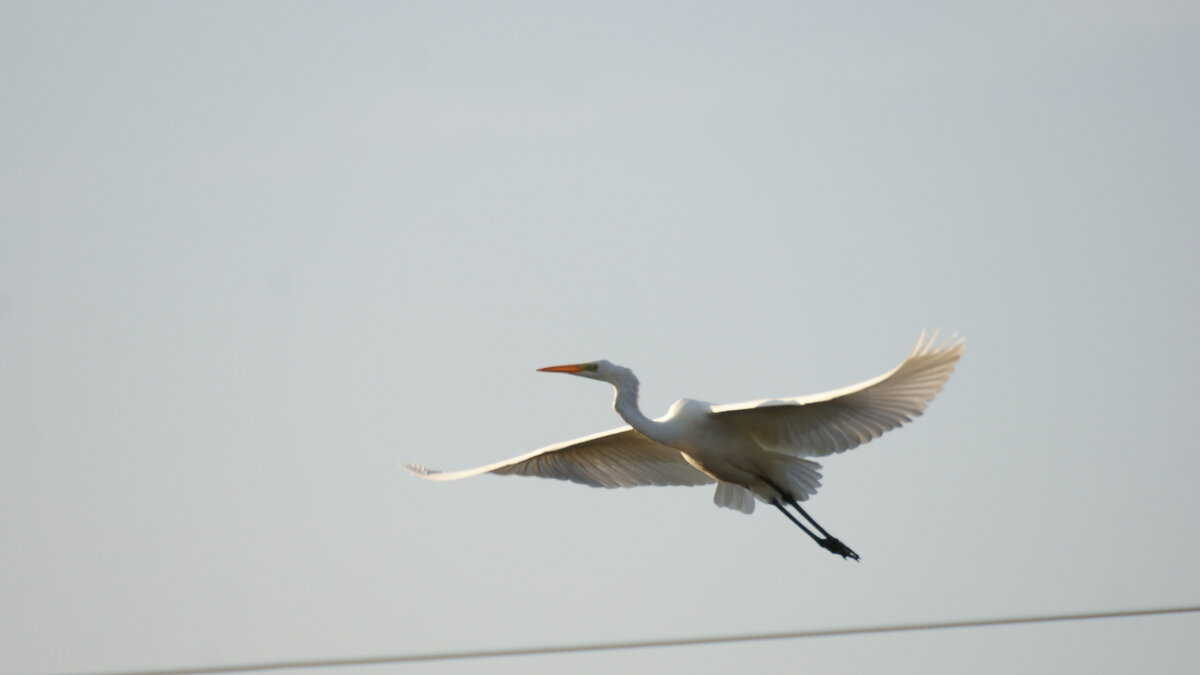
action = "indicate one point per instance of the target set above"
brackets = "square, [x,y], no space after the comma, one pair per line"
[751,450]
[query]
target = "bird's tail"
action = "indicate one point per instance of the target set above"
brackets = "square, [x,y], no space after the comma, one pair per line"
[798,478]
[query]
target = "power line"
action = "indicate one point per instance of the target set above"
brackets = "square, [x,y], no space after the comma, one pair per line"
[644,644]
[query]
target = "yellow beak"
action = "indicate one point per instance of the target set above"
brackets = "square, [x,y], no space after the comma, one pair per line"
[572,368]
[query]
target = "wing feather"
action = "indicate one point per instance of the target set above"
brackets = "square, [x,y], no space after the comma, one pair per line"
[618,458]
[835,421]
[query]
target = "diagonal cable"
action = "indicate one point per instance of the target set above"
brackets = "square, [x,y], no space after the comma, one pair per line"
[645,644]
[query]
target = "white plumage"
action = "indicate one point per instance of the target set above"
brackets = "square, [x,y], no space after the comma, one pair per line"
[752,450]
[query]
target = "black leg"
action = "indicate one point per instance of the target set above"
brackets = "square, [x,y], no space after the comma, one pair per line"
[796,505]
[797,522]
[826,541]
[835,546]
[829,543]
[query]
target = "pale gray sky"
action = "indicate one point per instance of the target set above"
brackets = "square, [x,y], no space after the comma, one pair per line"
[254,254]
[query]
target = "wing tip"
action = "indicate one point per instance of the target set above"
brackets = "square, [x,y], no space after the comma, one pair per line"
[926,346]
[419,470]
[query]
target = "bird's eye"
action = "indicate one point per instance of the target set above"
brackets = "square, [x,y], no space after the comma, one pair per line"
[591,366]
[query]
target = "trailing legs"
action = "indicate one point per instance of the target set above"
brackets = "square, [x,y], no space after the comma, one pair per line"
[824,540]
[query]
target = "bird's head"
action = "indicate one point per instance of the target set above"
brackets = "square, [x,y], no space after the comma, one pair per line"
[602,370]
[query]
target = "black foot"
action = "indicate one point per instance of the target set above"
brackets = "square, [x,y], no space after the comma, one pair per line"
[836,547]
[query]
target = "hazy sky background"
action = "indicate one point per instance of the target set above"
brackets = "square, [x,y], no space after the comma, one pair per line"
[252,255]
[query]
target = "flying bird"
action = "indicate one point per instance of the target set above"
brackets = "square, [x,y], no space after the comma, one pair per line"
[754,450]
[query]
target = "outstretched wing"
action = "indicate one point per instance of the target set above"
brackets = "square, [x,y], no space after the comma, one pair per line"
[835,421]
[617,458]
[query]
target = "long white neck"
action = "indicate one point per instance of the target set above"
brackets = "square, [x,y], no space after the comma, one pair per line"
[626,405]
